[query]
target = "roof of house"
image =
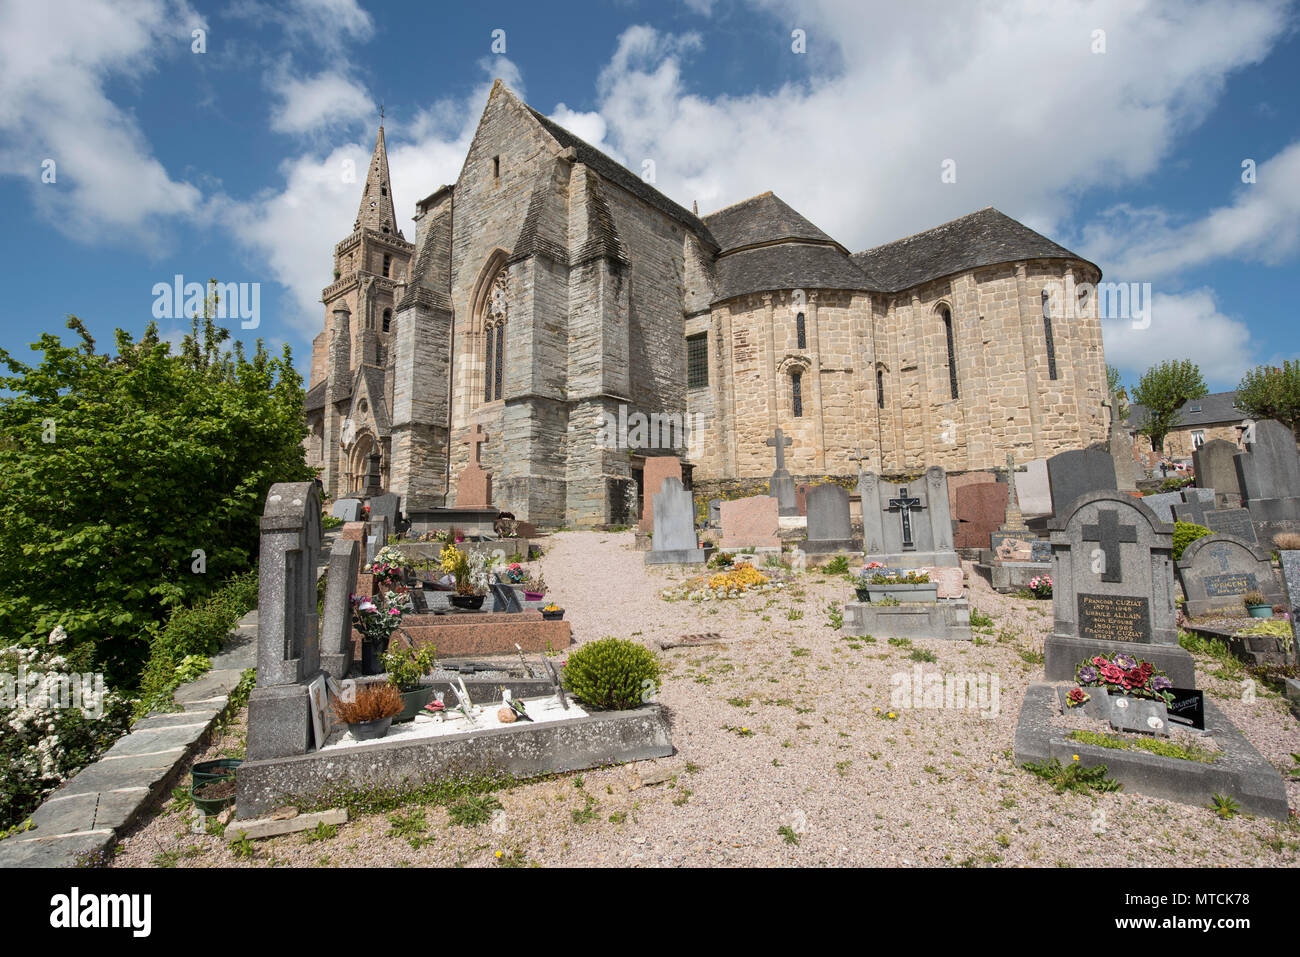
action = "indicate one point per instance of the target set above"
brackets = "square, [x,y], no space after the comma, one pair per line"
[1217,408]
[982,238]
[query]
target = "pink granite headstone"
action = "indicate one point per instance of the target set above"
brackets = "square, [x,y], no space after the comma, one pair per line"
[657,468]
[474,484]
[981,510]
[951,581]
[753,522]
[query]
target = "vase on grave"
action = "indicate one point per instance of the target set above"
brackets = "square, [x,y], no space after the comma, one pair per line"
[370,730]
[468,602]
[413,703]
[371,655]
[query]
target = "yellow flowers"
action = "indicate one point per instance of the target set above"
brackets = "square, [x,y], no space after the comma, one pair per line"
[453,561]
[741,578]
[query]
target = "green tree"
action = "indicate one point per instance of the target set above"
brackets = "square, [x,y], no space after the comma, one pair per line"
[1267,392]
[1162,390]
[116,471]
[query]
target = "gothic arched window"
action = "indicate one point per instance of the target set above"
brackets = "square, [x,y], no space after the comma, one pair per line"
[796,393]
[880,388]
[495,314]
[1047,335]
[946,314]
[800,331]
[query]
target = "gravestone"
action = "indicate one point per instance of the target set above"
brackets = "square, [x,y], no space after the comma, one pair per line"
[1216,571]
[504,598]
[781,485]
[752,522]
[336,626]
[801,497]
[981,511]
[908,526]
[1077,472]
[715,512]
[1232,521]
[675,541]
[474,484]
[1196,504]
[1035,490]
[951,581]
[657,468]
[956,482]
[374,481]
[1120,447]
[1191,500]
[1214,467]
[1290,561]
[288,641]
[1269,475]
[1014,542]
[348,509]
[829,527]
[386,507]
[1113,587]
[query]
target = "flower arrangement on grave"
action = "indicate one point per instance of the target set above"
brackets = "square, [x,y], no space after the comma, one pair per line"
[516,574]
[1041,586]
[1125,675]
[406,666]
[721,560]
[896,577]
[455,562]
[389,567]
[375,624]
[371,702]
[535,589]
[1077,697]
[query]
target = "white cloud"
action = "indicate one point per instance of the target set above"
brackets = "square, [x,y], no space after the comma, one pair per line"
[1261,223]
[318,103]
[1183,326]
[57,58]
[324,25]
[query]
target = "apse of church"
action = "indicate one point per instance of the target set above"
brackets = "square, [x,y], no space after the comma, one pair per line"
[550,291]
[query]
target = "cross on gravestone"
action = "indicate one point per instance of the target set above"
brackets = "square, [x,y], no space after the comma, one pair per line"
[858,457]
[904,505]
[1109,533]
[780,442]
[474,440]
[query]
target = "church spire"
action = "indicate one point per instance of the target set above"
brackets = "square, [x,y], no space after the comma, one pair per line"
[376,210]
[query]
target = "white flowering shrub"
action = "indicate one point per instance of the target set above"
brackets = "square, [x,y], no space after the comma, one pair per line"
[55,718]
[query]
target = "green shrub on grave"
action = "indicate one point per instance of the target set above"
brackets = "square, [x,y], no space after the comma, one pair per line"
[612,674]
[1184,534]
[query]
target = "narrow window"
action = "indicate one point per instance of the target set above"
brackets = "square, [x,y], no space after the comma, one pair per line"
[697,361]
[952,355]
[1047,334]
[880,388]
[796,393]
[388,263]
[489,365]
[800,331]
[388,319]
[501,351]
[496,167]
[383,191]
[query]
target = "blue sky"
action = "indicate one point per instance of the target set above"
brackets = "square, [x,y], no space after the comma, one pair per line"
[1126,146]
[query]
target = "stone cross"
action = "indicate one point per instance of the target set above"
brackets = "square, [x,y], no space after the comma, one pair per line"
[474,440]
[1190,509]
[1109,533]
[904,505]
[780,442]
[1014,519]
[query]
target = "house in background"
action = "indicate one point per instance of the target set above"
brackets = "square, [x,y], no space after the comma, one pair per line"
[1216,416]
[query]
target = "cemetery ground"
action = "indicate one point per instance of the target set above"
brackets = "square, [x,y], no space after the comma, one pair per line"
[787,755]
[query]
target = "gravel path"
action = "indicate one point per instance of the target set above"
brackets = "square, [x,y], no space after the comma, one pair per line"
[783,760]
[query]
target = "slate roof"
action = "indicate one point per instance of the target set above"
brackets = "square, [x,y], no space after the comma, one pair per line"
[1217,408]
[982,238]
[622,176]
[788,265]
[765,218]
[315,396]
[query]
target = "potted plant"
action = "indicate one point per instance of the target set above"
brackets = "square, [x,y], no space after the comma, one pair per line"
[910,586]
[405,667]
[1041,586]
[370,711]
[376,626]
[552,612]
[1257,605]
[390,567]
[536,589]
[456,563]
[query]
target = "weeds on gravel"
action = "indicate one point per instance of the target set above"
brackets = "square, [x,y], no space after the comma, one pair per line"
[1224,806]
[383,798]
[788,834]
[921,654]
[243,848]
[473,810]
[321,832]
[738,732]
[587,813]
[1168,749]
[980,620]
[1073,778]
[834,616]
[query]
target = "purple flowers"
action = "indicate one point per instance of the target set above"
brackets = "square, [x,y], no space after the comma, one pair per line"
[1161,683]
[1126,661]
[1087,674]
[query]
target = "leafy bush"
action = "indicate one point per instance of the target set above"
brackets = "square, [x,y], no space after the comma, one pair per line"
[612,674]
[1184,534]
[116,469]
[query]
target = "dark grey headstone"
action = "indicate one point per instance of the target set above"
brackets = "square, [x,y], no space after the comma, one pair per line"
[675,541]
[1074,473]
[1270,466]
[1214,467]
[829,525]
[1196,503]
[1291,582]
[908,525]
[386,506]
[504,598]
[348,509]
[1232,521]
[336,626]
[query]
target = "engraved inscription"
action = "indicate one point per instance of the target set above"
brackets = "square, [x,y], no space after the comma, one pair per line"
[1114,618]
[1224,586]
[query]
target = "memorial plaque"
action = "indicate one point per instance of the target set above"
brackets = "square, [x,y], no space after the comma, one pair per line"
[1232,521]
[1114,618]
[1040,549]
[1187,708]
[1220,586]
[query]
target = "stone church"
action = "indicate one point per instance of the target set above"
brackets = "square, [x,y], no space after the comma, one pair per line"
[550,292]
